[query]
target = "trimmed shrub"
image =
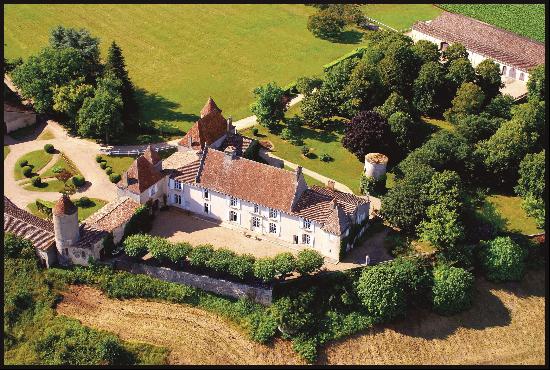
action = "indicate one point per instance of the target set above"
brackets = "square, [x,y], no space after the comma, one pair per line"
[309,261]
[262,327]
[326,157]
[305,150]
[36,181]
[48,148]
[220,259]
[27,171]
[103,165]
[178,252]
[293,313]
[199,256]
[98,158]
[255,131]
[452,289]
[114,177]
[503,259]
[137,245]
[285,263]
[264,269]
[78,180]
[108,170]
[160,249]
[23,163]
[84,202]
[242,266]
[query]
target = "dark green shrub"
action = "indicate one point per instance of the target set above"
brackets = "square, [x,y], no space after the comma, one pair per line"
[370,185]
[160,248]
[108,170]
[78,180]
[84,202]
[98,158]
[178,252]
[241,266]
[103,165]
[306,347]
[220,259]
[114,177]
[137,245]
[264,269]
[285,263]
[305,150]
[27,171]
[309,261]
[262,327]
[502,259]
[255,131]
[48,148]
[36,181]
[15,246]
[200,255]
[293,313]
[326,157]
[23,163]
[452,289]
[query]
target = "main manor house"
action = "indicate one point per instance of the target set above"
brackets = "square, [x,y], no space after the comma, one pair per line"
[209,177]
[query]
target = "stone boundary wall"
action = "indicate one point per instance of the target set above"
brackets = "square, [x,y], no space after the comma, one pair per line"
[207,283]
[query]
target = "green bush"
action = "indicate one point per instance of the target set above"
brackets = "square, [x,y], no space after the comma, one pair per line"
[199,256]
[23,163]
[285,263]
[15,246]
[255,131]
[220,259]
[326,157]
[178,252]
[306,348]
[108,170]
[159,248]
[36,181]
[262,327]
[293,313]
[48,148]
[58,169]
[502,259]
[98,158]
[78,180]
[27,171]
[309,261]
[305,150]
[264,269]
[103,165]
[84,202]
[137,245]
[242,266]
[370,185]
[114,177]
[452,289]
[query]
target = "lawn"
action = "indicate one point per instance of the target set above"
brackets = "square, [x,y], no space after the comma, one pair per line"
[509,214]
[63,162]
[49,186]
[117,163]
[47,134]
[83,212]
[401,16]
[6,151]
[37,159]
[524,19]
[437,124]
[181,54]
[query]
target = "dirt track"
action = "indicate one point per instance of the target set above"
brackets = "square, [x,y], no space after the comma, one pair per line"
[505,326]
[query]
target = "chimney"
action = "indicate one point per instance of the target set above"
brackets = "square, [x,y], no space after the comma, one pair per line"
[229,125]
[330,184]
[190,141]
[333,203]
[230,152]
[298,172]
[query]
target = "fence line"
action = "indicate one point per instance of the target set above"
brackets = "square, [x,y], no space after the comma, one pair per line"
[385,25]
[131,152]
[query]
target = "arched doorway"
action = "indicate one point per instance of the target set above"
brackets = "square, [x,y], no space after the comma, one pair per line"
[503,71]
[512,72]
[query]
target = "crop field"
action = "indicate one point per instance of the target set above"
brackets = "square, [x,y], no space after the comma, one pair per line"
[401,16]
[524,19]
[181,54]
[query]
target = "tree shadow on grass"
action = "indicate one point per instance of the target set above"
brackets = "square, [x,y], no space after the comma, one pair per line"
[347,37]
[157,108]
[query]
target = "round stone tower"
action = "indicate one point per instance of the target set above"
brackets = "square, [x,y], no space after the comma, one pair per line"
[375,165]
[65,224]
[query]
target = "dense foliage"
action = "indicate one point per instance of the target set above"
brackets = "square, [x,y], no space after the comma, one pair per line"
[367,133]
[503,259]
[269,106]
[452,289]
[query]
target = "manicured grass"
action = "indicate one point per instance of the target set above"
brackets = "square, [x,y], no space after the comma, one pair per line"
[63,162]
[181,54]
[23,132]
[524,19]
[6,151]
[50,186]
[117,163]
[38,159]
[401,16]
[46,135]
[83,212]
[309,180]
[438,124]
[509,214]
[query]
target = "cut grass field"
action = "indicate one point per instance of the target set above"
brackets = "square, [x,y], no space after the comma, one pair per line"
[401,16]
[181,54]
[524,19]
[37,159]
[509,214]
[83,212]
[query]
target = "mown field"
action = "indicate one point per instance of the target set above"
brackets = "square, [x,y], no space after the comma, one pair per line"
[181,54]
[524,19]
[401,16]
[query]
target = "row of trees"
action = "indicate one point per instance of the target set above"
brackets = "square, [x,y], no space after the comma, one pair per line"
[67,77]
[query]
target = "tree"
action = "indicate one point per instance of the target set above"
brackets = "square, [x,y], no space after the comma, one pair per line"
[426,51]
[116,66]
[429,89]
[452,289]
[37,77]
[364,90]
[325,24]
[309,261]
[404,130]
[83,42]
[269,107]
[316,107]
[536,86]
[100,115]
[367,133]
[468,100]
[453,52]
[306,85]
[199,256]
[137,245]
[488,78]
[393,104]
[503,259]
[293,313]
[460,71]
[285,263]
[500,106]
[334,87]
[10,65]
[475,128]
[532,185]
[264,269]
[68,99]
[399,69]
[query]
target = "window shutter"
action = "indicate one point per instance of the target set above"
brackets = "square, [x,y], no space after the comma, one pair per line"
[239,218]
[171,183]
[278,215]
[312,240]
[312,226]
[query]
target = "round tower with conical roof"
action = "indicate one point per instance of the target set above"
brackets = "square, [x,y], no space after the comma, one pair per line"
[65,225]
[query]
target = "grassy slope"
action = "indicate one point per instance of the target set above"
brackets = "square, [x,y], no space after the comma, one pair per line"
[37,158]
[83,212]
[401,16]
[181,54]
[524,19]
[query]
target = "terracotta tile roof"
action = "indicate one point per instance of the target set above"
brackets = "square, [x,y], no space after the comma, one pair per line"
[89,235]
[337,221]
[205,131]
[487,40]
[210,107]
[239,142]
[64,206]
[22,223]
[151,155]
[141,175]
[245,179]
[180,159]
[187,173]
[113,214]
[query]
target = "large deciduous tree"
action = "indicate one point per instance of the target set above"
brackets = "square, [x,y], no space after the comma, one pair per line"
[325,24]
[532,185]
[469,99]
[367,132]
[68,99]
[399,69]
[364,90]
[269,106]
[404,130]
[426,51]
[536,86]
[488,78]
[460,71]
[453,52]
[430,95]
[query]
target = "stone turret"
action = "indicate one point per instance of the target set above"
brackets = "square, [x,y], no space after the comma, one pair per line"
[375,165]
[65,225]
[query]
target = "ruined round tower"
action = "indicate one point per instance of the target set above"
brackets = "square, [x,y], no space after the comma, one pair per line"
[375,165]
[65,225]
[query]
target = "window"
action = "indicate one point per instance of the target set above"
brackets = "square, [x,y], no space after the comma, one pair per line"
[306,239]
[206,208]
[521,76]
[256,222]
[177,198]
[232,216]
[295,239]
[272,228]
[233,202]
[273,213]
[256,208]
[177,185]
[205,194]
[307,224]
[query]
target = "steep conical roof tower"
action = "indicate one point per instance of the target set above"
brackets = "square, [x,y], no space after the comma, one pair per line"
[209,107]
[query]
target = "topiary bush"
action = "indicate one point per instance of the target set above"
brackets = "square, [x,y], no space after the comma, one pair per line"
[108,170]
[220,259]
[242,266]
[452,289]
[255,131]
[84,202]
[36,181]
[78,180]
[27,171]
[178,252]
[160,249]
[309,261]
[98,158]
[49,148]
[137,245]
[264,269]
[502,259]
[103,165]
[285,263]
[114,177]
[326,157]
[23,163]
[305,151]
[199,256]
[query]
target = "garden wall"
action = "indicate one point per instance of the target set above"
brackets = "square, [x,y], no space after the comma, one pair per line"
[217,286]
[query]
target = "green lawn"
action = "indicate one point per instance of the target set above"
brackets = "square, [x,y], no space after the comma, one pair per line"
[38,159]
[524,19]
[309,180]
[49,186]
[6,151]
[117,163]
[83,212]
[181,54]
[47,134]
[437,124]
[509,214]
[401,16]
[63,162]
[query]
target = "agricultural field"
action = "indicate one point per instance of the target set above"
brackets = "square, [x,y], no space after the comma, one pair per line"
[401,16]
[524,19]
[181,54]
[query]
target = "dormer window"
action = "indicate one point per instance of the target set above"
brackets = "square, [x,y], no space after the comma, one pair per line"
[153,190]
[273,213]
